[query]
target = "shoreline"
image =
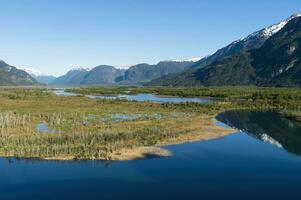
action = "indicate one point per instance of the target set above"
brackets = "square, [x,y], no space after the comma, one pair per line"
[142,152]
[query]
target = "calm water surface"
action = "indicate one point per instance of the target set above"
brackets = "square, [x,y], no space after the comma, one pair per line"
[244,165]
[42,128]
[139,97]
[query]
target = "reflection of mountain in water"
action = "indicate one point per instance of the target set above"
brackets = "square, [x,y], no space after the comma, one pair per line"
[269,127]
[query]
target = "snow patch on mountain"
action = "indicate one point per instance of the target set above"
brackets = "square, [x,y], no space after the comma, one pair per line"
[268,31]
[195,59]
[123,66]
[80,69]
[271,30]
[35,72]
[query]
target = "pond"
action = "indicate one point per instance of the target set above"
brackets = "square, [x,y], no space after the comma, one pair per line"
[140,97]
[261,161]
[42,128]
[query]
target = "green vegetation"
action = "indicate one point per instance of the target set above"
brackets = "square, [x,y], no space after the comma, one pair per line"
[284,100]
[94,129]
[105,129]
[238,96]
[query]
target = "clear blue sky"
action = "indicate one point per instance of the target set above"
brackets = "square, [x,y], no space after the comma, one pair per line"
[56,35]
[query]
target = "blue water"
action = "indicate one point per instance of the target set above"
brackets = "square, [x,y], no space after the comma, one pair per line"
[162,99]
[261,162]
[140,97]
[234,167]
[42,128]
[61,92]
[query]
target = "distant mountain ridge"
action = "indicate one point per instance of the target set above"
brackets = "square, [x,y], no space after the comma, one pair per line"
[39,76]
[11,76]
[108,75]
[102,75]
[254,40]
[72,77]
[267,57]
[144,73]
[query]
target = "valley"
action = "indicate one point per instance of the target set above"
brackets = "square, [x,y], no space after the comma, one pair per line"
[150,100]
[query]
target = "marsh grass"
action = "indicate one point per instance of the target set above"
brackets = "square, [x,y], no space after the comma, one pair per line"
[85,128]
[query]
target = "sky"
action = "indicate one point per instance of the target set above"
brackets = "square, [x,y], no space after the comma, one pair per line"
[54,36]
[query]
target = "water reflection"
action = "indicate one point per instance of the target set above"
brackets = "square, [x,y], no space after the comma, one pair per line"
[269,127]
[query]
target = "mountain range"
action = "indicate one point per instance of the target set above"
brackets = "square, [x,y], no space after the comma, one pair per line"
[39,76]
[108,75]
[10,75]
[269,57]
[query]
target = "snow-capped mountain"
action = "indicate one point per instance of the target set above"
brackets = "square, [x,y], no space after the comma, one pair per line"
[33,72]
[10,75]
[123,66]
[80,69]
[122,74]
[259,58]
[72,77]
[194,59]
[254,40]
[271,30]
[40,76]
[143,73]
